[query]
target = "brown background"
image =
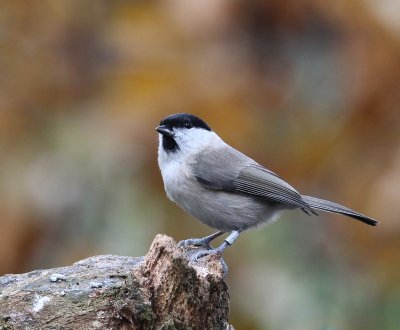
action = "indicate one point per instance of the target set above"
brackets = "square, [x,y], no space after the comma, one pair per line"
[308,88]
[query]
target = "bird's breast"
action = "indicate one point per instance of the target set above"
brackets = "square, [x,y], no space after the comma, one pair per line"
[175,177]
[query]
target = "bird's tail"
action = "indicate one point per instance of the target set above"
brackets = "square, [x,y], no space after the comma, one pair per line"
[320,204]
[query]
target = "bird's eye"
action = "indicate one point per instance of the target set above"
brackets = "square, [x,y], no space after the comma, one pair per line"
[188,125]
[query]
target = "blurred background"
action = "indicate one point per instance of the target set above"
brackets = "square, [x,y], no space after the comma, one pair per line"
[309,89]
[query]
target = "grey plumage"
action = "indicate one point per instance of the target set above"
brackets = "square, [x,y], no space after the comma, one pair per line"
[221,186]
[237,173]
[254,179]
[327,206]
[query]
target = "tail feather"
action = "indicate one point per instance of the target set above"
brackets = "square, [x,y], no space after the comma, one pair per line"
[321,204]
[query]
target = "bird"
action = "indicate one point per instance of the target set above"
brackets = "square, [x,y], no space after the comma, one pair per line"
[222,187]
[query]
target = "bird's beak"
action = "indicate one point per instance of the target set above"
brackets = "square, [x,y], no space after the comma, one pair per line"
[164,130]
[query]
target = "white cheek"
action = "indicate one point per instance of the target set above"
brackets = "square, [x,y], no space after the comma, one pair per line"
[190,142]
[196,140]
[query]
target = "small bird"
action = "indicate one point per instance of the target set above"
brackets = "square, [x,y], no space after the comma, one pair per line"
[222,187]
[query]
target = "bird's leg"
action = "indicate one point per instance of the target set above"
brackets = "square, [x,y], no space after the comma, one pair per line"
[227,242]
[204,242]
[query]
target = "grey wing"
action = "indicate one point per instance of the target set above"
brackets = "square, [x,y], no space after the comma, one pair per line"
[229,170]
[218,168]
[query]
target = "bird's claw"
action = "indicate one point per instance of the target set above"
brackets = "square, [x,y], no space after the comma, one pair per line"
[205,249]
[198,242]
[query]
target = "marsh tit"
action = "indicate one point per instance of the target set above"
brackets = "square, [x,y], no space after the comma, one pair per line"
[222,187]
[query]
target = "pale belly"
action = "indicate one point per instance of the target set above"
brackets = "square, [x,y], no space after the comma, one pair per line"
[218,209]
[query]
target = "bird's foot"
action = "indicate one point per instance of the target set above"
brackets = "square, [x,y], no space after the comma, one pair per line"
[200,242]
[207,248]
[208,252]
[217,252]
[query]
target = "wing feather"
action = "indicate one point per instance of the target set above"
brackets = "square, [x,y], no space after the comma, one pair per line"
[258,181]
[229,170]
